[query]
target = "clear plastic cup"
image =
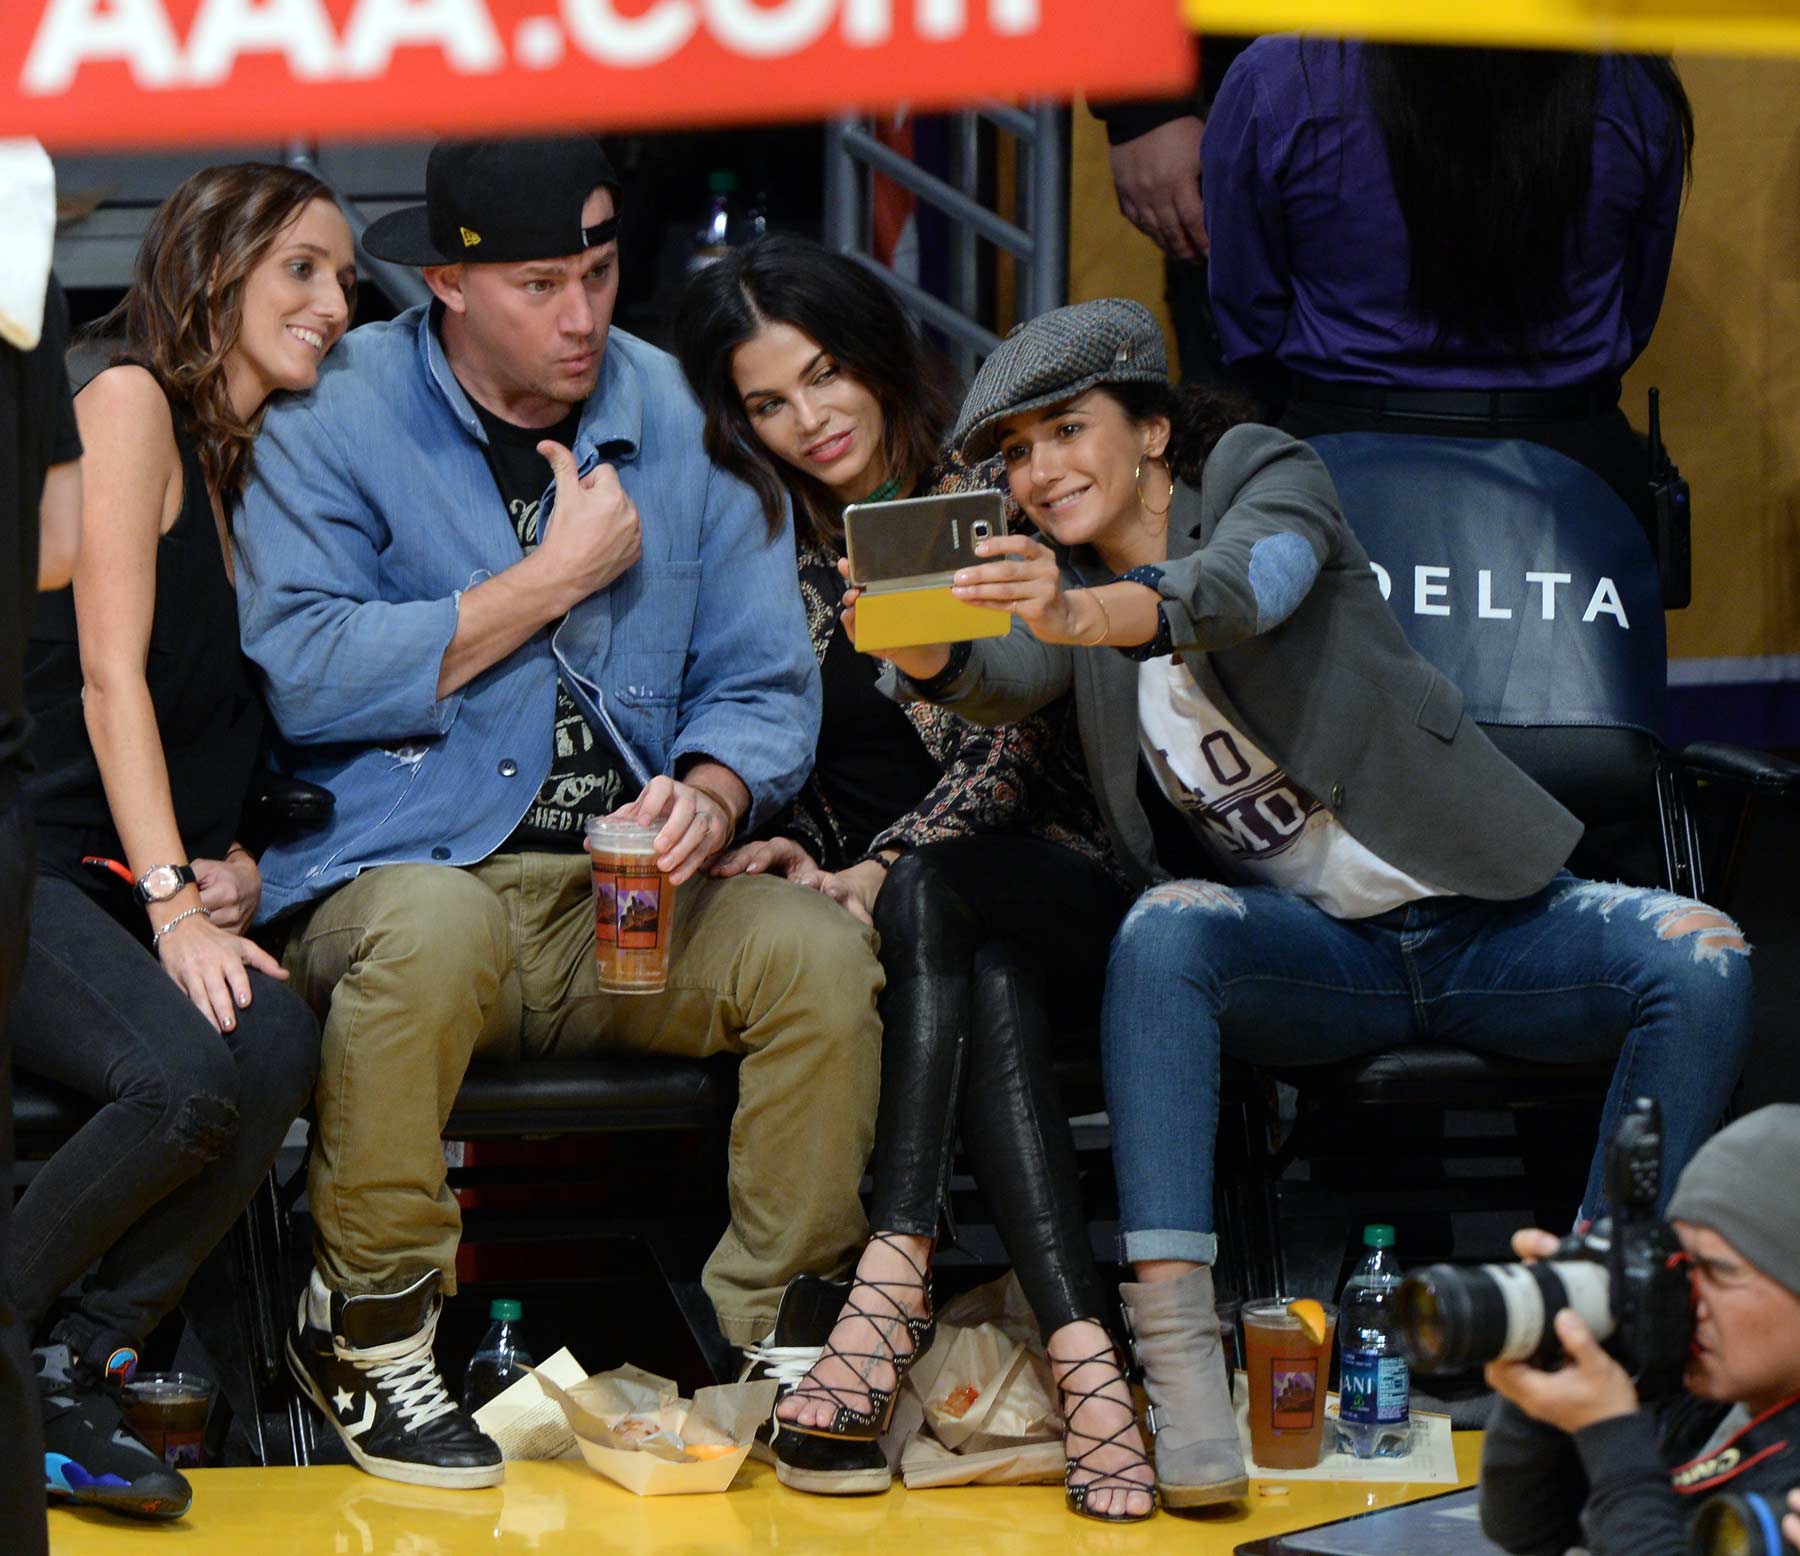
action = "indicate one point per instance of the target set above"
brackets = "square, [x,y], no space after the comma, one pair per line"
[634,908]
[1226,1307]
[1287,1374]
[168,1410]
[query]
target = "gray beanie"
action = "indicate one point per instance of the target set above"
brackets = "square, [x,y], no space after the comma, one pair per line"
[1744,1183]
[1055,357]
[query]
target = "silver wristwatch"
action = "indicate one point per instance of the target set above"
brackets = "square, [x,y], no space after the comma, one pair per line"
[161,881]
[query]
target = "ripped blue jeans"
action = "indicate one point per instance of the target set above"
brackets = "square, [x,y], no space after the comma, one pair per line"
[1582,969]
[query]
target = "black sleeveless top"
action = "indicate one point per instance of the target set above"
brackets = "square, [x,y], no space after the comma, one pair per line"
[207,708]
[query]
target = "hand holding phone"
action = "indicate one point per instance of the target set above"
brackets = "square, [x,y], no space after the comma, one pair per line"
[902,556]
[920,662]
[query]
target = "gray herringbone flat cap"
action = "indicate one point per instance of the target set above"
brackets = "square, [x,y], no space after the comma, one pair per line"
[1057,356]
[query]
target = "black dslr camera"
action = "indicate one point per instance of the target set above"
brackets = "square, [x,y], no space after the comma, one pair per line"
[1626,1277]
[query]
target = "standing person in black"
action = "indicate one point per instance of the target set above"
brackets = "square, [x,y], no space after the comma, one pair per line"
[139,988]
[40,522]
[1153,150]
[973,852]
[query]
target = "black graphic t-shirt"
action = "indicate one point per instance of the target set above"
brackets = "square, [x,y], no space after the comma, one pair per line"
[587,775]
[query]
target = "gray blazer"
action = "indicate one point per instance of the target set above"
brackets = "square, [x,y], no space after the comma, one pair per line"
[1265,578]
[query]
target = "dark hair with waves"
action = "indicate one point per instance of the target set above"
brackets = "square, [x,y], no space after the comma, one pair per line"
[1491,153]
[1198,417]
[855,318]
[183,314]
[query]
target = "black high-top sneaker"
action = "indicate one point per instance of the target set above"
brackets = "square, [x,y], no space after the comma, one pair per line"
[91,1457]
[804,1321]
[367,1363]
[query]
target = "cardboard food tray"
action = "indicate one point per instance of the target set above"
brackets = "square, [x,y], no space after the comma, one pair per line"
[720,1418]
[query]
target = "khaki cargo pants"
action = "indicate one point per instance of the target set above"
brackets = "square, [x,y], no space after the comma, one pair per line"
[414,969]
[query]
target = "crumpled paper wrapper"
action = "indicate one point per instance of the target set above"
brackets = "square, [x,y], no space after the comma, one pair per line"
[925,1463]
[986,1397]
[634,1428]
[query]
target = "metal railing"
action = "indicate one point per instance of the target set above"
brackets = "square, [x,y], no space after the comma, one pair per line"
[1038,243]
[404,286]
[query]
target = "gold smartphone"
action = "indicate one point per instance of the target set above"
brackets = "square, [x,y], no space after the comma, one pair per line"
[903,555]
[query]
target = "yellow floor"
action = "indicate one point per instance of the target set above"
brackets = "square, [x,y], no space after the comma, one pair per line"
[563,1509]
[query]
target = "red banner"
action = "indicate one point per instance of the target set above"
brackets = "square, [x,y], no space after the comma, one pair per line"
[136,73]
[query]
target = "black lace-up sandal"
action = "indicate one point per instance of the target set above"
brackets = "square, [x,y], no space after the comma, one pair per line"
[1081,1480]
[867,1424]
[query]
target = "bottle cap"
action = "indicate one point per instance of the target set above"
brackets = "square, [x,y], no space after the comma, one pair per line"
[1378,1234]
[506,1308]
[721,181]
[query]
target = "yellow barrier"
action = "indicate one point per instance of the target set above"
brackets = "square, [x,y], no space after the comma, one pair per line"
[1651,26]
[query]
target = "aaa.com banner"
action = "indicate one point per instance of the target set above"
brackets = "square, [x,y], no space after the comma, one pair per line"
[139,72]
[1651,26]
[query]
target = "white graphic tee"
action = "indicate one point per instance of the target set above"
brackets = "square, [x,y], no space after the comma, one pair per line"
[1245,808]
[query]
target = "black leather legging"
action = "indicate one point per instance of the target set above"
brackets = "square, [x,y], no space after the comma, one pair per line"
[988,941]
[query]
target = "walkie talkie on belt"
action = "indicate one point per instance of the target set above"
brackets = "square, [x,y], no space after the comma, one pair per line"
[1672,518]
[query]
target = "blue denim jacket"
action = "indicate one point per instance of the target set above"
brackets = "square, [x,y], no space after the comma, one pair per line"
[370,508]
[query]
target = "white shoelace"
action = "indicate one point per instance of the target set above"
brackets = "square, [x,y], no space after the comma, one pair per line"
[786,1364]
[406,1371]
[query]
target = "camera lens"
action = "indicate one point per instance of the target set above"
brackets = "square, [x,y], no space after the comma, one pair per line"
[1452,1319]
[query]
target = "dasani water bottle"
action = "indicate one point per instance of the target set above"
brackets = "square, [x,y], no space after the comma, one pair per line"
[1374,1414]
[501,1358]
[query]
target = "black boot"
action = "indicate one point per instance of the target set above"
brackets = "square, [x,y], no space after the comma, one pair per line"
[373,1374]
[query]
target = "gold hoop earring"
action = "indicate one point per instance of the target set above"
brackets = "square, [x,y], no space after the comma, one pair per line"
[1137,480]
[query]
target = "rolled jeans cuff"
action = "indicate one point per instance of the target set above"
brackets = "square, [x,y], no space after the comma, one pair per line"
[1189,1247]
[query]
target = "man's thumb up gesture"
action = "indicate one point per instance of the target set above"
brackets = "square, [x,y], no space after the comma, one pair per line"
[593,534]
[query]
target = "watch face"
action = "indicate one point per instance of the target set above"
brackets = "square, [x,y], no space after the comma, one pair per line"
[162,883]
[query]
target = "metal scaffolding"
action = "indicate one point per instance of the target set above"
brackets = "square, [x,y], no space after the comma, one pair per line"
[1039,244]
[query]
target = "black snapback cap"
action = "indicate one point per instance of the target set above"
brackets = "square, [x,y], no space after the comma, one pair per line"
[499,202]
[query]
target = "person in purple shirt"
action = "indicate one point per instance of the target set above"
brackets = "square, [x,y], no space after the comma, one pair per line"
[1466,242]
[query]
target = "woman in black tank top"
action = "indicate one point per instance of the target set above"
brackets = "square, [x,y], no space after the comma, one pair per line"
[140,989]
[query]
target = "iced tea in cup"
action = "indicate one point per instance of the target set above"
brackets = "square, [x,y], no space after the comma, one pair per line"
[168,1411]
[634,908]
[1289,1369]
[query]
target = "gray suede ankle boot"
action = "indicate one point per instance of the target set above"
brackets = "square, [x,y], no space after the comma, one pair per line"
[1175,1333]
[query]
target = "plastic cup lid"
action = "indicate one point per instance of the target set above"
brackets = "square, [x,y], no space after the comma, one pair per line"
[625,835]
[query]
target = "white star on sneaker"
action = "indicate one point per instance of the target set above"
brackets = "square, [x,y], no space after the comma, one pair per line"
[343,1399]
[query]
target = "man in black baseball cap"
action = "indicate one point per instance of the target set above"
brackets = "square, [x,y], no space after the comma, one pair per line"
[503,220]
[498,593]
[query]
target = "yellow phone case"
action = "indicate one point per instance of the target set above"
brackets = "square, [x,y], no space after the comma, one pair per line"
[906,618]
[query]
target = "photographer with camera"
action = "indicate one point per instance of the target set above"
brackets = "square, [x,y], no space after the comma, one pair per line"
[1576,1457]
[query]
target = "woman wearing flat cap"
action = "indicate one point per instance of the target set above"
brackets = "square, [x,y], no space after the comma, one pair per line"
[1333,860]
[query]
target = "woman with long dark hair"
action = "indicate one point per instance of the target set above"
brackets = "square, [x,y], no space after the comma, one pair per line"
[140,989]
[1456,241]
[1334,859]
[972,851]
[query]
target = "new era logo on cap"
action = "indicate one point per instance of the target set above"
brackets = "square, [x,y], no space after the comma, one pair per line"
[470,239]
